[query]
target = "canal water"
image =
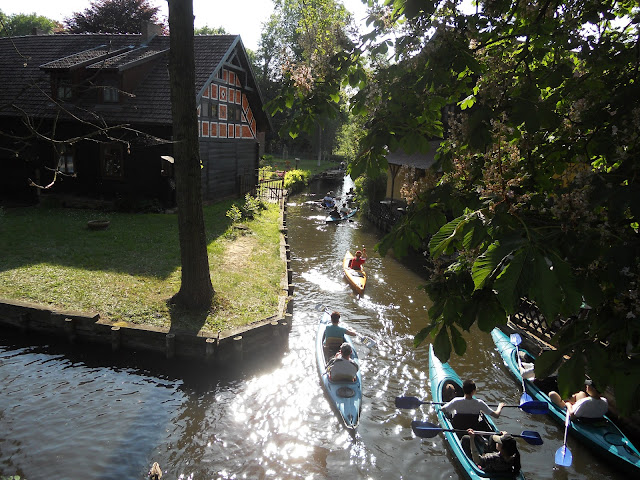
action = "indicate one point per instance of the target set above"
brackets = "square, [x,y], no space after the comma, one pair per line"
[86,413]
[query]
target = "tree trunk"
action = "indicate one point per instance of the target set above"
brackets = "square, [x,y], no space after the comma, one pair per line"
[196,291]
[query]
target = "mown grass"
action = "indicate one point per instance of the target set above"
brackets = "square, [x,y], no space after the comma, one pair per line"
[128,272]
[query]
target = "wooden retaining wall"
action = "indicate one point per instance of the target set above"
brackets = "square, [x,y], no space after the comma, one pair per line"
[78,327]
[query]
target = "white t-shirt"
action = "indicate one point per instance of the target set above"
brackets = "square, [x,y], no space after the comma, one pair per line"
[590,407]
[343,369]
[464,406]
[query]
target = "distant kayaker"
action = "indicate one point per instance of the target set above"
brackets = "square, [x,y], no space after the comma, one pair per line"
[589,404]
[344,209]
[342,367]
[357,261]
[328,200]
[334,213]
[505,458]
[468,406]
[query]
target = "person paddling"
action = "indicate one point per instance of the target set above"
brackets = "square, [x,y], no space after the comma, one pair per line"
[505,458]
[356,262]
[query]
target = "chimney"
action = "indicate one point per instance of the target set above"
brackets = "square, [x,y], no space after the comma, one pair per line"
[150,30]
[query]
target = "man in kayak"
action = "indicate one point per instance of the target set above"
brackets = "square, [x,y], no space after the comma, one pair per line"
[334,213]
[356,262]
[583,404]
[328,200]
[467,408]
[344,209]
[334,335]
[504,456]
[342,367]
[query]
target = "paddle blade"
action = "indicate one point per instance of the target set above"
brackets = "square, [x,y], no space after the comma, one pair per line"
[535,407]
[563,456]
[408,402]
[425,429]
[515,338]
[525,398]
[531,437]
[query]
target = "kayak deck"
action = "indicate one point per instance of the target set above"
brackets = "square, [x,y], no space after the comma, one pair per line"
[356,278]
[440,375]
[345,397]
[331,219]
[601,435]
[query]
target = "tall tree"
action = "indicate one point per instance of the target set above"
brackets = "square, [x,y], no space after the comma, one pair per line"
[196,291]
[299,52]
[537,108]
[24,24]
[113,16]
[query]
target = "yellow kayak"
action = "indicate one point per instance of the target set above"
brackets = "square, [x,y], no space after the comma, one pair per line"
[357,278]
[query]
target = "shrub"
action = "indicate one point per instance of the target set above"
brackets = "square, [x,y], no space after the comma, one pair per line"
[234,213]
[296,180]
[252,206]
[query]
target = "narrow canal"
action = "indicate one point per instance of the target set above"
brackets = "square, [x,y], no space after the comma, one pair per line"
[82,413]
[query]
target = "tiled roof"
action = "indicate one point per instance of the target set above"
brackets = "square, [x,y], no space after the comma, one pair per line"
[416,160]
[26,64]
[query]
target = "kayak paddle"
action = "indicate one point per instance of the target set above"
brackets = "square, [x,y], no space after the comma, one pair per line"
[533,406]
[430,430]
[517,340]
[563,454]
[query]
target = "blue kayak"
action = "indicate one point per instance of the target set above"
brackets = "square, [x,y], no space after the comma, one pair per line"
[440,375]
[345,397]
[341,218]
[602,436]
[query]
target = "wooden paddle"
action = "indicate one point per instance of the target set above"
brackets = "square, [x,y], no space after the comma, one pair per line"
[517,340]
[533,406]
[430,430]
[563,454]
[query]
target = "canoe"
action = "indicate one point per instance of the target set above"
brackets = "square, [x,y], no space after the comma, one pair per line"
[602,436]
[341,218]
[345,397]
[440,375]
[356,278]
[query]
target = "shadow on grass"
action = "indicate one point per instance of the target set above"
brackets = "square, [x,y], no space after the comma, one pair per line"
[135,244]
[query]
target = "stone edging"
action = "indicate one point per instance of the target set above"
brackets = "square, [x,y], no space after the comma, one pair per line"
[255,338]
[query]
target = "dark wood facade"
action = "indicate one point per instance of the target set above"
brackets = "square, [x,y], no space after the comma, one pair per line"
[93,113]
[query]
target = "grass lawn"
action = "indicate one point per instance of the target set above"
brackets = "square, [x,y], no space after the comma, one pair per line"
[127,272]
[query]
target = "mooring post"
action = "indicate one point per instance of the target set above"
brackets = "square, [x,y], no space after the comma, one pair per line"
[237,345]
[116,338]
[70,328]
[210,347]
[170,342]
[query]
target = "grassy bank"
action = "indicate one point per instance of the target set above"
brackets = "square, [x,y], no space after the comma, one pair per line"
[129,271]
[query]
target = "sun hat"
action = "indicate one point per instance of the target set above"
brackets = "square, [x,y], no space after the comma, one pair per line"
[508,443]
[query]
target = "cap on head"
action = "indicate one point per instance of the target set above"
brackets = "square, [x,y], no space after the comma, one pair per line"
[468,386]
[345,349]
[508,443]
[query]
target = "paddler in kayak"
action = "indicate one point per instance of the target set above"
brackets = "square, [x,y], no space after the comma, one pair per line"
[356,262]
[334,335]
[341,367]
[465,410]
[504,456]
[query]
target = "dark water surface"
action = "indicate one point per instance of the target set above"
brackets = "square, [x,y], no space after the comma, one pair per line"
[89,414]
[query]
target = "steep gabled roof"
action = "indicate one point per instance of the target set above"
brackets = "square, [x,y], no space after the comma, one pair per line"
[415,160]
[27,63]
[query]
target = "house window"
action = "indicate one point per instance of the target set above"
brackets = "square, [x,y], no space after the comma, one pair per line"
[66,162]
[204,110]
[110,94]
[214,110]
[112,161]
[64,91]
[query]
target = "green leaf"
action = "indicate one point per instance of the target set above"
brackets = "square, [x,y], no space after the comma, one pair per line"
[422,334]
[487,263]
[459,343]
[440,242]
[335,97]
[442,346]
[571,376]
[547,363]
[513,280]
[491,314]
[467,102]
[545,289]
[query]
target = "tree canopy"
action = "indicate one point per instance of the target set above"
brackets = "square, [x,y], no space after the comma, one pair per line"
[113,16]
[24,24]
[537,109]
